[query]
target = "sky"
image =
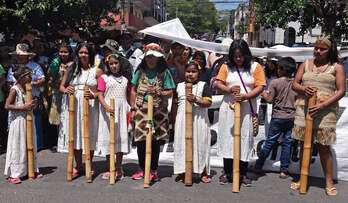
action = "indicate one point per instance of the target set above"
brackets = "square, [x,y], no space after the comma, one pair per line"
[223,6]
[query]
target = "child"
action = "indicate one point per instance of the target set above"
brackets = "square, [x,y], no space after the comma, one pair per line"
[201,99]
[113,86]
[16,156]
[282,97]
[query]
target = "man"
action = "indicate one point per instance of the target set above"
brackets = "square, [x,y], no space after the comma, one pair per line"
[129,51]
[176,62]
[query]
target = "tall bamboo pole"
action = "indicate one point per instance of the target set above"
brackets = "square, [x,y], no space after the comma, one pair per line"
[71,138]
[188,138]
[236,146]
[307,145]
[148,142]
[112,143]
[86,139]
[29,128]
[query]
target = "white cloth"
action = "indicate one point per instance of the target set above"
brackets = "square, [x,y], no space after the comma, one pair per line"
[116,88]
[16,155]
[85,78]
[63,136]
[134,59]
[226,117]
[201,133]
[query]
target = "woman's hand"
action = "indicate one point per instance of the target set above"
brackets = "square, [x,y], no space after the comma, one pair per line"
[70,90]
[87,94]
[151,90]
[235,89]
[239,97]
[309,91]
[28,106]
[314,110]
[191,98]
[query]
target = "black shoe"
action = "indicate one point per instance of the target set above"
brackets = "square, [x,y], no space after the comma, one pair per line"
[225,179]
[246,181]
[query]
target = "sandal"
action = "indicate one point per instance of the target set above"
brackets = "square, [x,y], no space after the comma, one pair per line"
[283,175]
[331,191]
[205,179]
[38,175]
[119,175]
[14,180]
[76,172]
[106,175]
[295,185]
[180,178]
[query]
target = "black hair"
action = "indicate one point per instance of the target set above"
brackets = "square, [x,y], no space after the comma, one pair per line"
[161,65]
[268,72]
[107,68]
[244,48]
[76,65]
[19,71]
[192,63]
[288,64]
[333,52]
[176,44]
[68,47]
[200,54]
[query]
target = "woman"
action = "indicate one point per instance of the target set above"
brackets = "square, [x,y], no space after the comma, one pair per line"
[328,76]
[228,81]
[152,78]
[82,74]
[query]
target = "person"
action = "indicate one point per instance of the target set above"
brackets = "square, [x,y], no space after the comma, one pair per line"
[55,72]
[131,53]
[3,112]
[16,155]
[113,85]
[240,72]
[187,54]
[281,95]
[24,56]
[328,76]
[74,81]
[176,63]
[205,73]
[152,78]
[201,99]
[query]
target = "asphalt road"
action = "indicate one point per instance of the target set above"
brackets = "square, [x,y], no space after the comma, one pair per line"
[53,187]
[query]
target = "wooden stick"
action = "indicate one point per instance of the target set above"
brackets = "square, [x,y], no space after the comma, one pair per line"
[29,129]
[86,139]
[148,142]
[307,145]
[188,138]
[236,146]
[71,138]
[112,143]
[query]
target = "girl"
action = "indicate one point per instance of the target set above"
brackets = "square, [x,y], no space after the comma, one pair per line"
[328,76]
[243,72]
[56,71]
[201,99]
[152,77]
[113,86]
[16,156]
[80,75]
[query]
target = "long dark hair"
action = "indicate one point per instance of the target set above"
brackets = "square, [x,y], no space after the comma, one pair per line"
[77,63]
[333,52]
[268,72]
[64,45]
[160,67]
[244,48]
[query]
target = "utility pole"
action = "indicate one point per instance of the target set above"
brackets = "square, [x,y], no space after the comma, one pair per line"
[251,23]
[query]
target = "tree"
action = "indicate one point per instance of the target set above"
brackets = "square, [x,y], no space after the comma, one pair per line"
[331,15]
[197,16]
[39,13]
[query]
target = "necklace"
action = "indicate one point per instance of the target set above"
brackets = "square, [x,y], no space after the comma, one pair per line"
[320,69]
[118,79]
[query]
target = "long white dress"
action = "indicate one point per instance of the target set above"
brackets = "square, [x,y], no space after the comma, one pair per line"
[116,88]
[16,155]
[85,78]
[201,133]
[63,136]
[226,117]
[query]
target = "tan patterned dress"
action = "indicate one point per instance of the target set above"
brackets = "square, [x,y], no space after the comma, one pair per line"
[324,124]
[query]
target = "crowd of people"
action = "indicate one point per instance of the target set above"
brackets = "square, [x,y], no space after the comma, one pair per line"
[128,72]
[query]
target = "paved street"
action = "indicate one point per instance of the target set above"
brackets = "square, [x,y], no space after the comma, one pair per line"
[54,188]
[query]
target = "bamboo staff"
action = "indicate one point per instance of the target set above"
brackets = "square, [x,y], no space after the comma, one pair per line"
[71,138]
[86,139]
[148,142]
[29,124]
[112,142]
[306,156]
[188,138]
[236,145]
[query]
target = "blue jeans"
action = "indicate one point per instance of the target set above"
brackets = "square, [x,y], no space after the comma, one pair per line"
[277,127]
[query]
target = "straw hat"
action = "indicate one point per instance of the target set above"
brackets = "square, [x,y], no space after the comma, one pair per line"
[22,50]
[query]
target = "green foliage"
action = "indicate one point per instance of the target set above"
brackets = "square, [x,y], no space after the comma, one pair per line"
[198,16]
[331,15]
[240,28]
[39,12]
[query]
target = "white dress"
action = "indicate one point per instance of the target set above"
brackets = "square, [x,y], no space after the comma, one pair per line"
[226,117]
[201,133]
[63,136]
[88,78]
[116,88]
[16,155]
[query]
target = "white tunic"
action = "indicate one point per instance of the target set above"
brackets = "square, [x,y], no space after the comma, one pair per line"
[63,136]
[226,117]
[116,88]
[86,77]
[16,155]
[201,133]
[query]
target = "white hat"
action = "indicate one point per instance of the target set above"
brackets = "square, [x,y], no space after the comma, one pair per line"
[23,50]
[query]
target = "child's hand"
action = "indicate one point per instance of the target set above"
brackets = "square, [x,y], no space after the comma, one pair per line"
[28,106]
[191,98]
[231,105]
[87,94]
[109,110]
[70,90]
